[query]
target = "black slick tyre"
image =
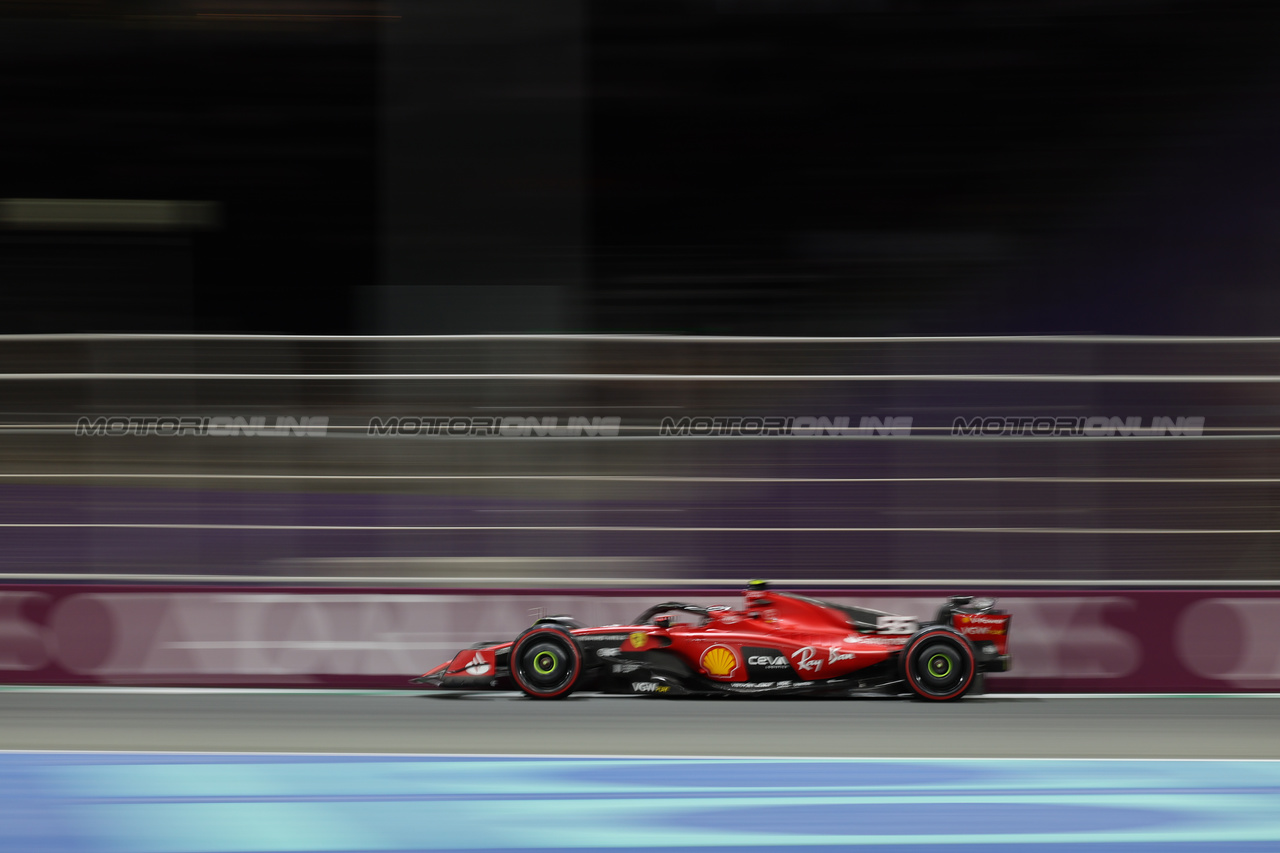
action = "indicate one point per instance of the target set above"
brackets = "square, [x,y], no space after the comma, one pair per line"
[546,662]
[939,665]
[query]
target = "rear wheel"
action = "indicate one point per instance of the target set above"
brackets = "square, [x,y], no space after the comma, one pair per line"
[546,662]
[939,665]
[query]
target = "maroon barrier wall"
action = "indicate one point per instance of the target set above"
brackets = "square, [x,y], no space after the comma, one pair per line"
[1062,641]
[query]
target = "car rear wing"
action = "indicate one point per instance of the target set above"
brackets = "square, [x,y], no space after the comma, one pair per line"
[980,621]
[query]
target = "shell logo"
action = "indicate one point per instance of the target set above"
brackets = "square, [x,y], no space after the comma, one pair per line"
[719,661]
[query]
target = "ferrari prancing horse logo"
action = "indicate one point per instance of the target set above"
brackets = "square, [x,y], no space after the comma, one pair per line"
[638,639]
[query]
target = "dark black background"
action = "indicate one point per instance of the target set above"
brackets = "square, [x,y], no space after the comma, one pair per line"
[749,166]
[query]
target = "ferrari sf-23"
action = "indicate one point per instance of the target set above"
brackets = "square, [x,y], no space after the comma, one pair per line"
[779,643]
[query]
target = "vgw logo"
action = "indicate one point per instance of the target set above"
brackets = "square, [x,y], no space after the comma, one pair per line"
[648,687]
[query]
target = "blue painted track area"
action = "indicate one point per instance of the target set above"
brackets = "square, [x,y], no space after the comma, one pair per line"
[253,803]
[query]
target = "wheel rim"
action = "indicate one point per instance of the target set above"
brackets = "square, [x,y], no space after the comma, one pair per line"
[546,665]
[938,669]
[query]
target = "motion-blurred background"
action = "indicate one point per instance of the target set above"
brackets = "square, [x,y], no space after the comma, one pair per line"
[626,179]
[827,167]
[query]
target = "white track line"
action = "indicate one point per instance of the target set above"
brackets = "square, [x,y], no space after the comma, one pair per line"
[646,757]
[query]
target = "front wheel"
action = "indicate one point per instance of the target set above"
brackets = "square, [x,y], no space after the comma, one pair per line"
[546,662]
[939,665]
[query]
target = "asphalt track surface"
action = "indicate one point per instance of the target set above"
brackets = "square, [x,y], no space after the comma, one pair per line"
[1240,727]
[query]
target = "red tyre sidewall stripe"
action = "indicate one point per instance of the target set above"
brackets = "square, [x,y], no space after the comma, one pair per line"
[973,663]
[515,669]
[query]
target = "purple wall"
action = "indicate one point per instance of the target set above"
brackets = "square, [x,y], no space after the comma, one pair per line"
[1063,641]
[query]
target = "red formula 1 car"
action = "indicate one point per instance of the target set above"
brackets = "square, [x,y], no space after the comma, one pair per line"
[778,643]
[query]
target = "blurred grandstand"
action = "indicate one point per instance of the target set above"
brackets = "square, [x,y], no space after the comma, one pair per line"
[98,484]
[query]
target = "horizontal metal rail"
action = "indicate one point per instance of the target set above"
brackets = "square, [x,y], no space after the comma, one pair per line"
[640,583]
[1047,378]
[641,338]
[621,528]
[639,478]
